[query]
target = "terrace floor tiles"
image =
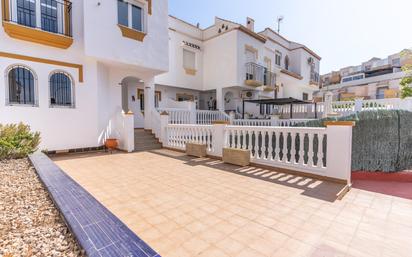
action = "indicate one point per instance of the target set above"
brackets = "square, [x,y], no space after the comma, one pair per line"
[185,206]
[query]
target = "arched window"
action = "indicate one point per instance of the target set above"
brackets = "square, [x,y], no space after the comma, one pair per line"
[21,88]
[61,90]
[287,62]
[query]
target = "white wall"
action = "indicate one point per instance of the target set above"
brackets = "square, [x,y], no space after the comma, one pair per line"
[177,76]
[100,29]
[220,61]
[61,128]
[107,59]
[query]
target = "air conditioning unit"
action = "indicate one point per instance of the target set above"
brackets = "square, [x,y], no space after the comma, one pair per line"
[247,94]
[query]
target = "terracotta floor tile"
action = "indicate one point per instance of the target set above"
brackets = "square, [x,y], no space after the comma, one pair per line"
[184,206]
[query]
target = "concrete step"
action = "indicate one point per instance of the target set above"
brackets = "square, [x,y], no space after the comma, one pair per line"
[147,148]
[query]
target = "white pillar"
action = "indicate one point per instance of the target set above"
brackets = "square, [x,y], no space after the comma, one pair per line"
[339,151]
[218,139]
[328,104]
[149,94]
[164,121]
[220,105]
[192,109]
[358,104]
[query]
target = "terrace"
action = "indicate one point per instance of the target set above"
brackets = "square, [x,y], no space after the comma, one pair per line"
[186,206]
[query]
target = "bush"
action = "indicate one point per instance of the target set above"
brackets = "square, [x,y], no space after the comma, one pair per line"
[17,141]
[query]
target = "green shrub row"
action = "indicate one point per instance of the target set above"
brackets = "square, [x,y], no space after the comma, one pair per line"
[17,141]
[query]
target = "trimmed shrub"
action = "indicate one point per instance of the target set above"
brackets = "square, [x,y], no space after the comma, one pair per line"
[17,141]
[381,141]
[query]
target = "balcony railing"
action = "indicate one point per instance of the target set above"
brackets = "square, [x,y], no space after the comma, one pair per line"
[314,78]
[258,75]
[53,16]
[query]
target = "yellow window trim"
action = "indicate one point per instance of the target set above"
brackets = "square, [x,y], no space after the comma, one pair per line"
[131,33]
[190,71]
[149,6]
[37,36]
[79,67]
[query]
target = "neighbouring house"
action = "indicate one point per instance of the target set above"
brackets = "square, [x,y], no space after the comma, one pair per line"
[228,62]
[73,70]
[374,79]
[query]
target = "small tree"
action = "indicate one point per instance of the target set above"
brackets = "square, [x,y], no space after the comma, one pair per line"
[406,82]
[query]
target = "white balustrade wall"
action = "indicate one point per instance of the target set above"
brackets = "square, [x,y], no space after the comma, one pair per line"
[276,123]
[346,108]
[178,116]
[178,135]
[208,117]
[320,151]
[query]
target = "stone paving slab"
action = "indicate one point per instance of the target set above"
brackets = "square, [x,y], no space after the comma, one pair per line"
[98,231]
[185,206]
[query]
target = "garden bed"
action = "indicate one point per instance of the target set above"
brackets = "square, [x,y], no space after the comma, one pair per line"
[30,225]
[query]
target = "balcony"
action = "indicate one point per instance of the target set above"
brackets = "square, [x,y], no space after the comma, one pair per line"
[258,75]
[314,79]
[47,22]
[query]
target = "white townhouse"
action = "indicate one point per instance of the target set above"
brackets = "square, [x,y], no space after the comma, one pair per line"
[374,79]
[83,71]
[67,65]
[220,65]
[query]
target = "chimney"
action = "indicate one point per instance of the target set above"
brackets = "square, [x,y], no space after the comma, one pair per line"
[250,24]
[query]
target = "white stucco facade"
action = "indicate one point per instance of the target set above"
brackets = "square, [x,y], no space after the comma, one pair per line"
[115,68]
[107,59]
[221,62]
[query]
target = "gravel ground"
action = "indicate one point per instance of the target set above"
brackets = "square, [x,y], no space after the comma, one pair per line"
[30,225]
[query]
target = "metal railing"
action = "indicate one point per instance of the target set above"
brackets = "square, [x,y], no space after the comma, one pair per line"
[314,77]
[260,73]
[53,16]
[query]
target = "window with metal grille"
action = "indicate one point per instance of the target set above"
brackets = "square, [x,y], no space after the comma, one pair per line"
[26,13]
[21,86]
[49,21]
[61,90]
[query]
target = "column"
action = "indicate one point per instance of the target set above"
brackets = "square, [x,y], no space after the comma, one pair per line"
[220,105]
[149,106]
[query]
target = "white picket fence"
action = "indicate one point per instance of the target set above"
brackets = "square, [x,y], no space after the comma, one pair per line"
[321,151]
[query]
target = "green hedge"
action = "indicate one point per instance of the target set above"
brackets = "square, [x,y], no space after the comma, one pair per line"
[17,141]
[382,140]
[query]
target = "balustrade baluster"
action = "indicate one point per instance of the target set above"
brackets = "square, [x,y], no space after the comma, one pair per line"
[292,148]
[301,148]
[310,150]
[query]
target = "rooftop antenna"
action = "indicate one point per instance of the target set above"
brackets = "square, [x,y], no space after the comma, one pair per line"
[279,20]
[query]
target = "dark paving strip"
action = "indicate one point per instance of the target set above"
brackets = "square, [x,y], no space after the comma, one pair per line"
[98,231]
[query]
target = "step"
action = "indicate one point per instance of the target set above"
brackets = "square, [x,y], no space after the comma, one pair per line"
[147,148]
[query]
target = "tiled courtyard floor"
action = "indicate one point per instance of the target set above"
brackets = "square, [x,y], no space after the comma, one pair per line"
[183,206]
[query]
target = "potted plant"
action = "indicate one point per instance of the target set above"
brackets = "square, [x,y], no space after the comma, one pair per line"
[111,144]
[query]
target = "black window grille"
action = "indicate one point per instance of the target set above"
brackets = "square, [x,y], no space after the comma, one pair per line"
[21,86]
[49,21]
[53,16]
[26,13]
[61,90]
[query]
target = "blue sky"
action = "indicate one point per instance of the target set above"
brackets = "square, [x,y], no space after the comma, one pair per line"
[342,32]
